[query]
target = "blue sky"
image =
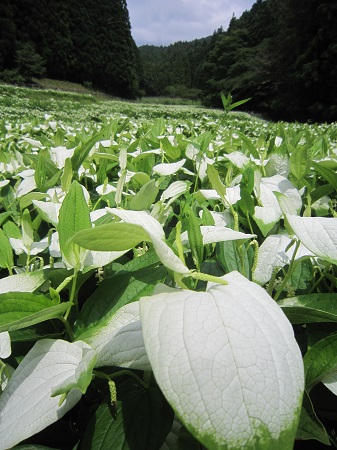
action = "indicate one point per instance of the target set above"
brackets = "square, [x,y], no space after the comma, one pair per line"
[163,22]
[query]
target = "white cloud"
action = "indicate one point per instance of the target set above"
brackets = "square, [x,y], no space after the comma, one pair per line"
[159,22]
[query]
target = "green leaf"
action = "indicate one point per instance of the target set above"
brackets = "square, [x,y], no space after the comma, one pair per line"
[233,256]
[248,144]
[83,150]
[113,293]
[310,427]
[144,197]
[74,216]
[329,175]
[321,191]
[169,150]
[142,420]
[22,309]
[299,162]
[240,102]
[27,199]
[216,183]
[207,349]
[320,364]
[310,308]
[66,176]
[111,237]
[6,252]
[27,229]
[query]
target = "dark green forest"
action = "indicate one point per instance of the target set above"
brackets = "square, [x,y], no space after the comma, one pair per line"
[87,41]
[281,53]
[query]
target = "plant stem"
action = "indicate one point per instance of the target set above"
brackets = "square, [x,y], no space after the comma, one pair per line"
[289,273]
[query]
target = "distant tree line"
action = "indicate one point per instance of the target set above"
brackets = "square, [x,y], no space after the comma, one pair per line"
[80,41]
[282,53]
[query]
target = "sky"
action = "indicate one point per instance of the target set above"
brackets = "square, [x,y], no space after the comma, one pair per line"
[163,22]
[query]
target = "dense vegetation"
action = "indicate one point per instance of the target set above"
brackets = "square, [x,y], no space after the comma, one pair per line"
[162,273]
[87,41]
[282,53]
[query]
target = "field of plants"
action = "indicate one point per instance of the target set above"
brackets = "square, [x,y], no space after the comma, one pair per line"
[168,277]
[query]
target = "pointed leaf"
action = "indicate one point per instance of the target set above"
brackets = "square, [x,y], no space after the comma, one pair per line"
[27,399]
[310,308]
[111,237]
[320,364]
[74,216]
[227,362]
[6,252]
[142,421]
[22,309]
[23,282]
[318,234]
[119,342]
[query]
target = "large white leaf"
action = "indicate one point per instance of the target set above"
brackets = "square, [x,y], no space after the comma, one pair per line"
[120,341]
[156,235]
[228,363]
[26,405]
[318,234]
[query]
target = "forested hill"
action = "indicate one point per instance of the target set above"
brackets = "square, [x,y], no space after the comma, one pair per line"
[81,41]
[282,53]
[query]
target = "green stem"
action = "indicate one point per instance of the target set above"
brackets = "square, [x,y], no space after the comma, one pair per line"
[206,277]
[67,326]
[120,373]
[289,273]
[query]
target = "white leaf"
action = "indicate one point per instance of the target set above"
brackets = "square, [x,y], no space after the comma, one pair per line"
[27,400]
[318,234]
[174,190]
[212,234]
[24,282]
[5,345]
[156,235]
[238,159]
[119,342]
[227,362]
[272,253]
[49,211]
[168,169]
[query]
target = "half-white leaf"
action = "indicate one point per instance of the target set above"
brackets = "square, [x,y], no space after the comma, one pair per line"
[318,234]
[26,405]
[227,362]
[119,342]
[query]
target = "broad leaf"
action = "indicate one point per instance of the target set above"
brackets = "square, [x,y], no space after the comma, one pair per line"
[119,342]
[320,363]
[155,234]
[142,421]
[310,308]
[74,216]
[26,405]
[24,282]
[318,234]
[227,362]
[22,309]
[111,237]
[112,294]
